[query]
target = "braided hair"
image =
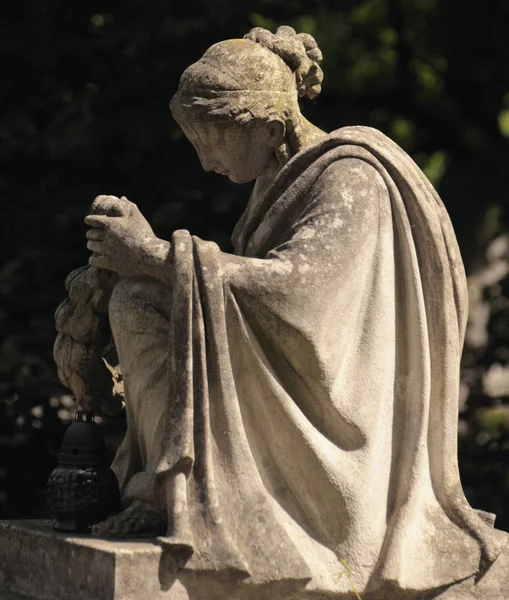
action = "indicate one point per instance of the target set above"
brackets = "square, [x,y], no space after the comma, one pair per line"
[299,51]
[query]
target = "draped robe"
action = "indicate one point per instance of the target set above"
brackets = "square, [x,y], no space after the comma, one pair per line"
[295,404]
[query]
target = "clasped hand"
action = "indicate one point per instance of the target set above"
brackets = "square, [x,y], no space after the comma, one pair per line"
[120,237]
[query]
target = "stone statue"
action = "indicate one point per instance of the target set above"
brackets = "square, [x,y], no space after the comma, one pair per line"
[291,408]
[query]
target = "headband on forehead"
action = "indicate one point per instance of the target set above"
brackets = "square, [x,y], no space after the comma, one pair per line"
[213,94]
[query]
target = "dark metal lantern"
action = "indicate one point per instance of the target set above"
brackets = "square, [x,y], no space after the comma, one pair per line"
[82,490]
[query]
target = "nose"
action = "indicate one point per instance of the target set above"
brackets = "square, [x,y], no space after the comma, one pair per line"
[206,162]
[208,165]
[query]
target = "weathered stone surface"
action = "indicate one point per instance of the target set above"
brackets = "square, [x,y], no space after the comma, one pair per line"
[37,563]
[40,563]
[292,407]
[493,586]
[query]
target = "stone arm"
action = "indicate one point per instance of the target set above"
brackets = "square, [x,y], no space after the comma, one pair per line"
[328,247]
[328,250]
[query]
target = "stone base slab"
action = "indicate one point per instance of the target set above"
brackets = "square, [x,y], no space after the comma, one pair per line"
[40,563]
[37,563]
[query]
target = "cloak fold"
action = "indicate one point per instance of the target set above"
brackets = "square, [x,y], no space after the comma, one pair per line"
[312,403]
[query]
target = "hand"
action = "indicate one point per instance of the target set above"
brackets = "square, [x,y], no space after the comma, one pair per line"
[120,237]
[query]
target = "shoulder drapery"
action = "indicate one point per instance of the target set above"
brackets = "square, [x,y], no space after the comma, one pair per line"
[311,415]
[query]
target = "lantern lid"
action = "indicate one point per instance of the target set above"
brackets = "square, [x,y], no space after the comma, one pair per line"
[83,442]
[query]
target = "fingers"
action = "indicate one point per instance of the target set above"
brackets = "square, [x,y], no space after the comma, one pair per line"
[98,221]
[131,207]
[98,260]
[95,234]
[95,246]
[111,206]
[102,204]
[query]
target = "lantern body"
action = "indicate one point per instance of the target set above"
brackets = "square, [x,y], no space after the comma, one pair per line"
[82,490]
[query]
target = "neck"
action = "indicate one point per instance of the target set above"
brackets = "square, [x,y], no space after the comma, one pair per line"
[269,173]
[300,134]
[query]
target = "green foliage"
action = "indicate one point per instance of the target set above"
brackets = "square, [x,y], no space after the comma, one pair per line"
[86,112]
[434,166]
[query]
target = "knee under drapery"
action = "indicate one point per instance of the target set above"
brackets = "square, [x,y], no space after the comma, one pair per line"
[135,302]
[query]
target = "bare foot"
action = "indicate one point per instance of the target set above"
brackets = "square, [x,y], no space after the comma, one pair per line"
[140,519]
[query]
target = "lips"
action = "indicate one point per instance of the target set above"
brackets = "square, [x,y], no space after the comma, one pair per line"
[219,170]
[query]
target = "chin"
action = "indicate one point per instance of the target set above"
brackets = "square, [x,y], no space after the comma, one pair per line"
[239,178]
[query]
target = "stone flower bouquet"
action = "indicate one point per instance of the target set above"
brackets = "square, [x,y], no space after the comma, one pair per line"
[84,352]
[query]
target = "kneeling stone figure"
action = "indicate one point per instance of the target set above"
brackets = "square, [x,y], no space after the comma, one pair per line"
[292,407]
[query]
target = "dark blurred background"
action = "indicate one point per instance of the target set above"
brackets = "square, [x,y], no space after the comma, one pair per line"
[85,88]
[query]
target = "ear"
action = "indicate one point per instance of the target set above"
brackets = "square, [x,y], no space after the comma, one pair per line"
[276,132]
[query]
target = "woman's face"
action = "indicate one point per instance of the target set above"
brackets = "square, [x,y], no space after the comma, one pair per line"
[241,152]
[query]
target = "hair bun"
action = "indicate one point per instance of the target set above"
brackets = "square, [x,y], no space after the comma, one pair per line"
[299,51]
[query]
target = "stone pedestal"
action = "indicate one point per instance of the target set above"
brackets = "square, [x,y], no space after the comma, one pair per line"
[40,563]
[37,563]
